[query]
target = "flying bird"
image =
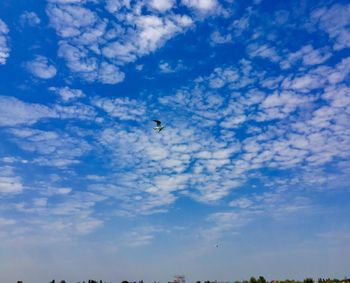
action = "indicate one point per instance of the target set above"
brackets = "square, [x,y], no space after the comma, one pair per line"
[159,126]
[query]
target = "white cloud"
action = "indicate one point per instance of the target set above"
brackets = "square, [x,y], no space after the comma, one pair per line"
[71,20]
[69,215]
[141,236]
[335,22]
[217,38]
[67,94]
[8,159]
[40,202]
[201,5]
[64,191]
[318,77]
[264,51]
[76,111]
[77,59]
[206,179]
[139,67]
[265,116]
[4,47]
[234,77]
[240,25]
[15,112]
[308,56]
[224,222]
[55,149]
[29,18]
[110,74]
[241,203]
[278,205]
[115,5]
[69,1]
[221,77]
[122,108]
[161,5]
[88,225]
[166,67]
[286,101]
[10,185]
[234,121]
[151,33]
[41,68]
[130,35]
[6,221]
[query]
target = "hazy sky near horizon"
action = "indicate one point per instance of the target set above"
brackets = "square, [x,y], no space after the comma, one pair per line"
[255,156]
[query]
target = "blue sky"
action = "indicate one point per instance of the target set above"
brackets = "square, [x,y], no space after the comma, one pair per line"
[255,157]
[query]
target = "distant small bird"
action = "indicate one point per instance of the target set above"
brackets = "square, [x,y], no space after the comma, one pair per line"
[159,126]
[217,245]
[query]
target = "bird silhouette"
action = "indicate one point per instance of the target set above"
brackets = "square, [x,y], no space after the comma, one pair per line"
[159,126]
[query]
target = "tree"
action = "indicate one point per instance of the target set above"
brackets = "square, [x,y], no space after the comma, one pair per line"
[308,280]
[253,280]
[261,279]
[198,281]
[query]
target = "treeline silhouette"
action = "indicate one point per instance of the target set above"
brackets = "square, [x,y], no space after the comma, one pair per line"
[261,279]
[252,279]
[91,281]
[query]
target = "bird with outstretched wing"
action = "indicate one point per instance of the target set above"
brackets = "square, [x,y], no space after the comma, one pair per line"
[159,126]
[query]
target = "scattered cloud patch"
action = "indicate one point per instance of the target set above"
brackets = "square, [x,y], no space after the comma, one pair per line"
[141,237]
[110,74]
[67,94]
[9,183]
[122,108]
[6,221]
[4,47]
[162,5]
[41,68]
[166,67]
[128,35]
[203,6]
[30,18]
[263,51]
[16,112]
[335,22]
[52,148]
[308,56]
[218,38]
